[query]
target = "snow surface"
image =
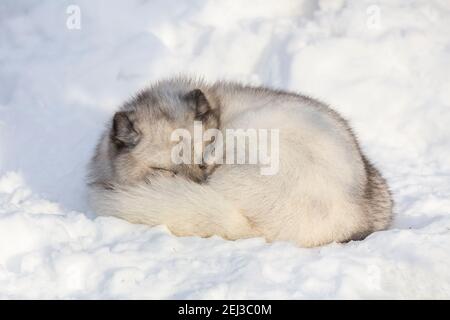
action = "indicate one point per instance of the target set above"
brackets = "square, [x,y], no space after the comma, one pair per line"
[385,65]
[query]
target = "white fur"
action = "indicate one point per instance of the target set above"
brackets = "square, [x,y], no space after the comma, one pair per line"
[316,197]
[185,207]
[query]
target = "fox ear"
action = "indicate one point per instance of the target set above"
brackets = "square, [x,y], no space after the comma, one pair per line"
[200,103]
[124,133]
[203,110]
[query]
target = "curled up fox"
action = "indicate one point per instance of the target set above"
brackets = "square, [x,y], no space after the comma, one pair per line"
[299,174]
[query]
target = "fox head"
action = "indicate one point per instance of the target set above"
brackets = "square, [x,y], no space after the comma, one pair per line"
[138,144]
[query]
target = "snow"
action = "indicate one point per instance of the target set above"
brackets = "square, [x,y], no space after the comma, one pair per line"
[385,65]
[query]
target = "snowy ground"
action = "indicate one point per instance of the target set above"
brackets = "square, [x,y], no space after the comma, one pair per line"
[385,65]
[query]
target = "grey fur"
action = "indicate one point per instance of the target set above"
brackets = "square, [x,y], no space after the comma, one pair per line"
[152,114]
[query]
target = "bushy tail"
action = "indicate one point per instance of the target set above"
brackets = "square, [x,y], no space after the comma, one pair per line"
[186,208]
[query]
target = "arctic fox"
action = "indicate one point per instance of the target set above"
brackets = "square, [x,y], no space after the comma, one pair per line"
[325,189]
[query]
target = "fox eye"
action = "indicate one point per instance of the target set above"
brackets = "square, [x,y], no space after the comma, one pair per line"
[162,169]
